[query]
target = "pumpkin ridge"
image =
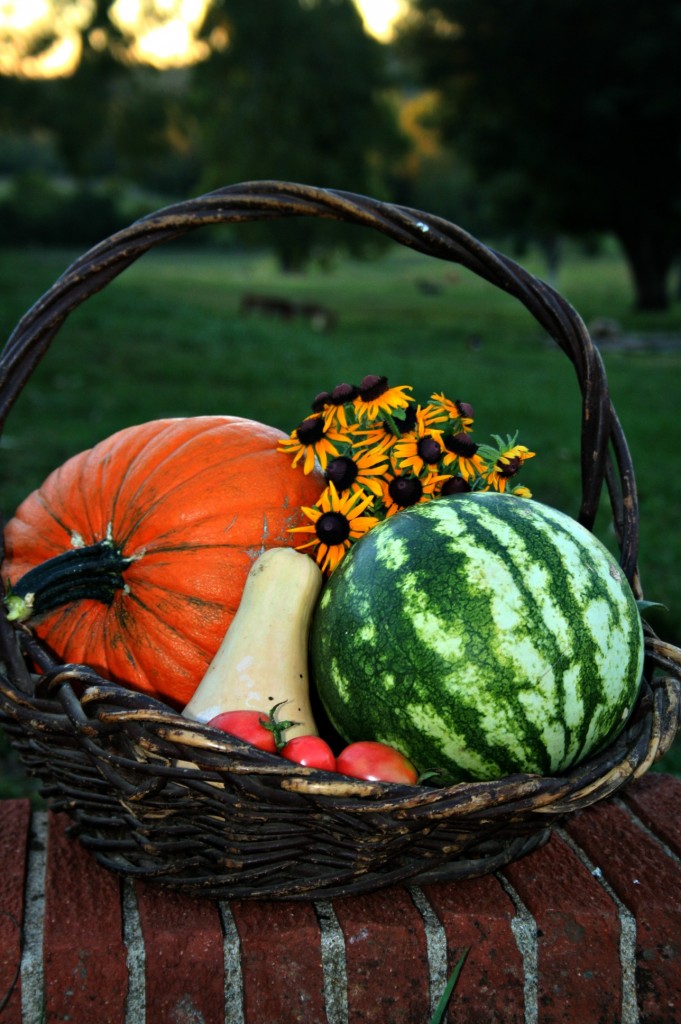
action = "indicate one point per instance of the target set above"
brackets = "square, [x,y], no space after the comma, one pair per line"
[128,537]
[169,427]
[171,549]
[55,518]
[187,598]
[117,643]
[202,652]
[85,475]
[80,478]
[77,646]
[133,468]
[204,469]
[51,512]
[147,481]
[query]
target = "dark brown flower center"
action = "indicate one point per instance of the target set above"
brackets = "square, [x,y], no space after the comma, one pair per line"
[455,485]
[332,528]
[343,393]
[461,444]
[429,450]
[342,471]
[373,387]
[310,430]
[320,400]
[510,467]
[405,490]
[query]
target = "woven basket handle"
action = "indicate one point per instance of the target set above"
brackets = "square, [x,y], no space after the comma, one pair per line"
[433,236]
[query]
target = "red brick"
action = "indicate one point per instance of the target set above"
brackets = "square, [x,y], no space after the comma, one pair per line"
[86,976]
[386,957]
[578,933]
[649,884]
[15,817]
[477,914]
[281,962]
[656,799]
[184,950]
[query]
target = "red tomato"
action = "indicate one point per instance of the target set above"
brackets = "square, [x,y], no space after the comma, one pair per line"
[312,751]
[252,726]
[376,762]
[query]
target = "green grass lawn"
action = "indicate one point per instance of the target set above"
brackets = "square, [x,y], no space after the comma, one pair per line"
[167,339]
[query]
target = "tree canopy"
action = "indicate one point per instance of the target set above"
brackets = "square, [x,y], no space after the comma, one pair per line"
[569,113]
[299,94]
[297,91]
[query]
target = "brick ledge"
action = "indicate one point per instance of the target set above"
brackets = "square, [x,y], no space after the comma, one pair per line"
[586,929]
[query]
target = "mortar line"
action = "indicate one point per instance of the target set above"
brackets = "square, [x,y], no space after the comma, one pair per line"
[524,928]
[667,850]
[233,977]
[334,966]
[627,932]
[135,957]
[32,970]
[436,945]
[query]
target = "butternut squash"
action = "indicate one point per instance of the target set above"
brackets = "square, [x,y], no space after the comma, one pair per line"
[262,660]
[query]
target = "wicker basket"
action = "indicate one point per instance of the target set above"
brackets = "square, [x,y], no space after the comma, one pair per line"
[271,829]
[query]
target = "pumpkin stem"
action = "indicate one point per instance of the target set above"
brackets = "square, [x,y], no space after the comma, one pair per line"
[94,572]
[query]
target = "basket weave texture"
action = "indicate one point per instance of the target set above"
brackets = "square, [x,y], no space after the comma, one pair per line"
[245,824]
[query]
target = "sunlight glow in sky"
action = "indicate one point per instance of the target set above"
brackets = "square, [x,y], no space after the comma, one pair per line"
[169,40]
[164,38]
[379,16]
[21,21]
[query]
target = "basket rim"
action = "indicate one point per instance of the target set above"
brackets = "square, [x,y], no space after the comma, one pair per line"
[94,705]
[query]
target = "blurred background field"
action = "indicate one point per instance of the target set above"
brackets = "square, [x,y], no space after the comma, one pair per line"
[408,101]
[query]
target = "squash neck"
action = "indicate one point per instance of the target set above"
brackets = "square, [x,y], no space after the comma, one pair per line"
[92,572]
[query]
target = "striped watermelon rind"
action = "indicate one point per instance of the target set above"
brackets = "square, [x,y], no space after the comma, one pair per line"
[481,635]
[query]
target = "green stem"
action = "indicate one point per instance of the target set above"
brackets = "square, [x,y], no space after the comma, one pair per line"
[449,988]
[94,572]
[275,726]
[394,429]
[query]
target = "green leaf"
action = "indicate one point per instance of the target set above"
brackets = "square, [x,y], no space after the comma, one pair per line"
[643,606]
[449,988]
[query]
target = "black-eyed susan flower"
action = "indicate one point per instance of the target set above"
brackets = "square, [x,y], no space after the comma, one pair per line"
[455,485]
[441,409]
[461,453]
[418,450]
[402,490]
[310,441]
[381,453]
[383,434]
[337,521]
[376,399]
[334,405]
[360,471]
[520,491]
[505,461]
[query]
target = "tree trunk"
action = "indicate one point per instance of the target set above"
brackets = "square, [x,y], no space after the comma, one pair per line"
[650,255]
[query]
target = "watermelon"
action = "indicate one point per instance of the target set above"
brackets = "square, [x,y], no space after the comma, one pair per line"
[481,635]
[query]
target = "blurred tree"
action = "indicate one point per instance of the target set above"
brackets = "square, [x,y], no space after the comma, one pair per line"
[74,108]
[569,113]
[297,93]
[109,116]
[153,131]
[287,89]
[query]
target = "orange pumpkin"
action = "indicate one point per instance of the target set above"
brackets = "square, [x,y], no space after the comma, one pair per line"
[157,527]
